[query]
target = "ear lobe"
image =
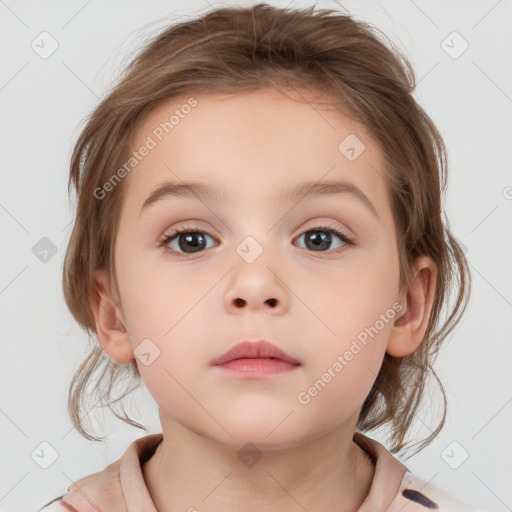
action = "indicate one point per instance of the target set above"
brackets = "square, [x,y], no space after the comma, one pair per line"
[409,329]
[108,316]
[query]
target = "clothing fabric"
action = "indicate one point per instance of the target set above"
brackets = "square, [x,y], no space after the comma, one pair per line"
[120,487]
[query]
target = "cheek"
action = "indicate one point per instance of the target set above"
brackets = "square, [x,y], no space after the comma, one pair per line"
[357,315]
[156,295]
[168,359]
[352,297]
[343,371]
[165,322]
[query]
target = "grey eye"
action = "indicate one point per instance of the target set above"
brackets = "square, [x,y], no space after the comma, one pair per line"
[321,239]
[188,242]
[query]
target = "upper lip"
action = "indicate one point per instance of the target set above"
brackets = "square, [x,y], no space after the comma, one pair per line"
[254,350]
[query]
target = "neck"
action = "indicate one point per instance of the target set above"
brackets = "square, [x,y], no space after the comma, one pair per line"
[189,471]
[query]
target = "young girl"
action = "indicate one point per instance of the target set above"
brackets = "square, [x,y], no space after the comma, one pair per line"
[259,238]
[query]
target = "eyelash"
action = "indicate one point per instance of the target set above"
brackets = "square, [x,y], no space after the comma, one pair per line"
[168,237]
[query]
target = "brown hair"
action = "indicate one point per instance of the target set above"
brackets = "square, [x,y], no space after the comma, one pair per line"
[231,50]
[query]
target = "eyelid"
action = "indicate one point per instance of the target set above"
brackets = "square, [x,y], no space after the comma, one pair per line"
[326,224]
[193,224]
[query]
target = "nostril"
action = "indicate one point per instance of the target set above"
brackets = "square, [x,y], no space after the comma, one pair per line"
[272,302]
[239,302]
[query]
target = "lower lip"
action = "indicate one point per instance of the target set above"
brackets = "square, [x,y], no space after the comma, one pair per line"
[255,368]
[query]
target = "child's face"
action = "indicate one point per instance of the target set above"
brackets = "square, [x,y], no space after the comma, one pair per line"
[314,302]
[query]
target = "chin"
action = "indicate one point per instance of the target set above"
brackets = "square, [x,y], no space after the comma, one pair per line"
[262,443]
[262,431]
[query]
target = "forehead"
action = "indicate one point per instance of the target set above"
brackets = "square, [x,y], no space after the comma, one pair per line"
[253,145]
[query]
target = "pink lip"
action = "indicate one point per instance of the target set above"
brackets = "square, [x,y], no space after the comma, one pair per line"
[262,351]
[255,368]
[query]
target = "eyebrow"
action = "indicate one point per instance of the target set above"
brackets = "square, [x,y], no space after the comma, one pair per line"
[296,192]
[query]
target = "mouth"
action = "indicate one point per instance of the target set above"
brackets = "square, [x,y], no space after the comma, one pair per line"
[255,360]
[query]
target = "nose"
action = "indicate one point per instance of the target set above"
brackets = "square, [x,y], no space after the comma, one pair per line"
[256,287]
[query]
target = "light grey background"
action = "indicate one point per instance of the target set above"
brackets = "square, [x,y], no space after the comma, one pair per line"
[43,102]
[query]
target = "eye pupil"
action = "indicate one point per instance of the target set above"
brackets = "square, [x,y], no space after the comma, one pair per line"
[194,239]
[320,239]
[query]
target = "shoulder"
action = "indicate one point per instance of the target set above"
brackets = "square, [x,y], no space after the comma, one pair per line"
[97,492]
[419,495]
[113,488]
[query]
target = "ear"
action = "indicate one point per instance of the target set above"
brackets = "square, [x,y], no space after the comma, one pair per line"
[409,329]
[110,324]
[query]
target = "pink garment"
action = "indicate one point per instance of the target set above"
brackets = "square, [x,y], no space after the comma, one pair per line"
[120,487]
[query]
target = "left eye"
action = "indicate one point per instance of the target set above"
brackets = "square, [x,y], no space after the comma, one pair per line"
[321,238]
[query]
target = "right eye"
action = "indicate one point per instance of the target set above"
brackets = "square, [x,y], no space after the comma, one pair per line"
[189,241]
